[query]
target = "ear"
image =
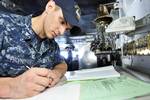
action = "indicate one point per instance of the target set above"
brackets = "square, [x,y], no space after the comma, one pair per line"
[50,6]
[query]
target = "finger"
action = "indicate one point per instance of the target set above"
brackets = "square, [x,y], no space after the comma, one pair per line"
[44,81]
[41,71]
[38,88]
[50,81]
[54,82]
[52,74]
[56,73]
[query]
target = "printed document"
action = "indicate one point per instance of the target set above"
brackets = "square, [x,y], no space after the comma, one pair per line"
[116,88]
[94,73]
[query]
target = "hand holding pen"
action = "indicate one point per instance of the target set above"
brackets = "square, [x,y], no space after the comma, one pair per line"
[53,76]
[30,83]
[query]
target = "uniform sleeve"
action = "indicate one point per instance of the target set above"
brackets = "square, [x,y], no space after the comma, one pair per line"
[1,43]
[58,57]
[1,37]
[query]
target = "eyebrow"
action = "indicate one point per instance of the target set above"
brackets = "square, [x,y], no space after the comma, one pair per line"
[63,19]
[70,26]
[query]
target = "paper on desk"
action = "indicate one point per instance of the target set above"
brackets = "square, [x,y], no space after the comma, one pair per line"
[94,73]
[120,88]
[65,91]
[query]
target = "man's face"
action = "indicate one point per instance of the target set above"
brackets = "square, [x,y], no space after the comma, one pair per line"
[55,24]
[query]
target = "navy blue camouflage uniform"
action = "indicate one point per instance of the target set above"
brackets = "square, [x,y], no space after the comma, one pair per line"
[20,46]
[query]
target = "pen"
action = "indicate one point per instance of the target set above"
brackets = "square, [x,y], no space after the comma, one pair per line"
[27,67]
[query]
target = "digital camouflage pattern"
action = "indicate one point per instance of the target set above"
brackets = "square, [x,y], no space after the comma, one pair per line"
[20,46]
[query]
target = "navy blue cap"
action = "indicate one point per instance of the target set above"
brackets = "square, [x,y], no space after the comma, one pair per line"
[69,11]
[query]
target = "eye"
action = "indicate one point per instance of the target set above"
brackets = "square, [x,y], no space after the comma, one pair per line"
[67,29]
[63,22]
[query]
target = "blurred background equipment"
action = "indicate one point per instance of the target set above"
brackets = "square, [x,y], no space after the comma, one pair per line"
[104,44]
[102,38]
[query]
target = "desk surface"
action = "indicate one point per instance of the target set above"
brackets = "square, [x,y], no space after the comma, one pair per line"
[114,88]
[139,76]
[118,88]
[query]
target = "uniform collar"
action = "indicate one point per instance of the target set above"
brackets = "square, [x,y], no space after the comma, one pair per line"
[33,39]
[28,31]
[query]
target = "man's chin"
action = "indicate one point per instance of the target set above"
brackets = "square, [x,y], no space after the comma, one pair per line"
[50,36]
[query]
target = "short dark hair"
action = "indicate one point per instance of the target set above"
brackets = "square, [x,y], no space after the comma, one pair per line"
[41,5]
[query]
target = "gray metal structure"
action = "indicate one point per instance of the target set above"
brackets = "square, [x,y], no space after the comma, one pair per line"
[140,9]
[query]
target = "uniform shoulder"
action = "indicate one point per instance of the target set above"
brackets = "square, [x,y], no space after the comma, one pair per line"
[10,18]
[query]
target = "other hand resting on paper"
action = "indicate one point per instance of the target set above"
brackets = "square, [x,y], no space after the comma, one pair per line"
[57,73]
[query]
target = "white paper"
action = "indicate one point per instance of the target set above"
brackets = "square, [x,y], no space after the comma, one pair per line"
[94,73]
[62,91]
